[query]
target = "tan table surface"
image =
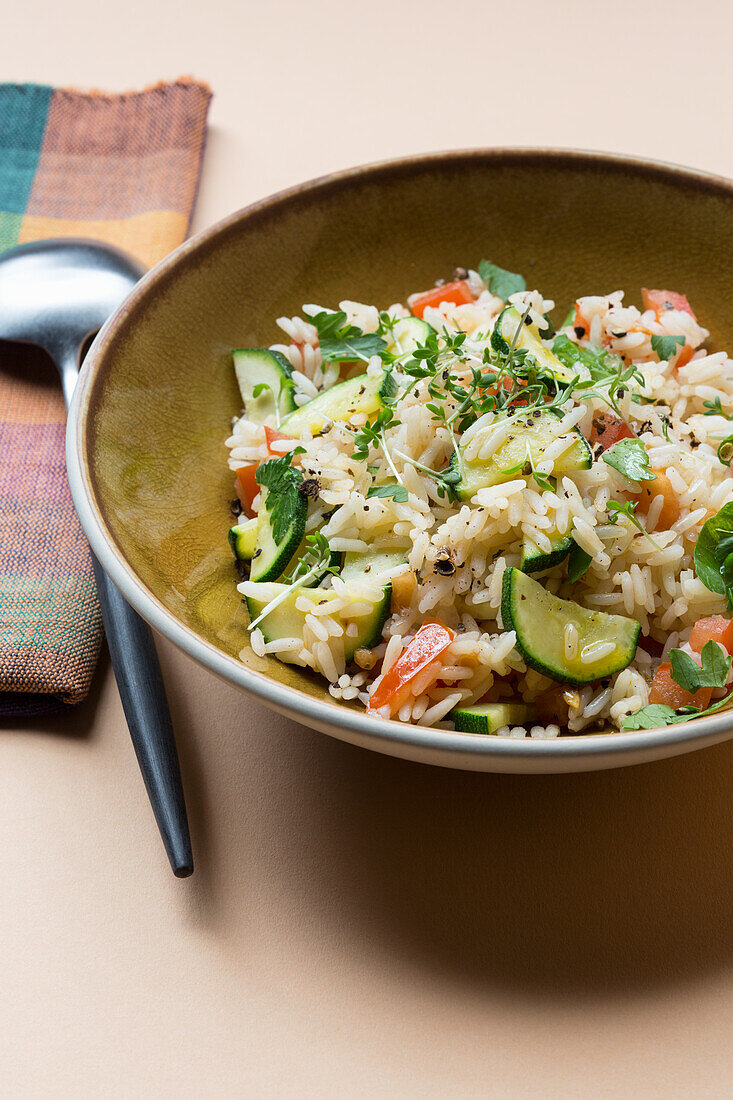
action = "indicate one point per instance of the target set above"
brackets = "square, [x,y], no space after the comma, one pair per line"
[358,926]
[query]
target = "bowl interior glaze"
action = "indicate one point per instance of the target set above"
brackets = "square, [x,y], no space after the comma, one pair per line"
[158,389]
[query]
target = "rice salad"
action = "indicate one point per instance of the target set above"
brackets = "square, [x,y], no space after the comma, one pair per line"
[461,517]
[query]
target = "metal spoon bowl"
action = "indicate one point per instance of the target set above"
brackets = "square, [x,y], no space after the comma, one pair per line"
[56,294]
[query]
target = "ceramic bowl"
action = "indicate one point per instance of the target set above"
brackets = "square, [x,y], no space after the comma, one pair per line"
[146,457]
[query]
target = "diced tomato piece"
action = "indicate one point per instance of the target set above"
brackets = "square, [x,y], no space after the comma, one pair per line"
[516,402]
[429,642]
[579,322]
[686,353]
[662,300]
[247,487]
[609,429]
[661,486]
[271,435]
[714,629]
[665,690]
[457,293]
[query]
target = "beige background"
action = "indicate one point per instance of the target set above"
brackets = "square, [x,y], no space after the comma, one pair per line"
[358,926]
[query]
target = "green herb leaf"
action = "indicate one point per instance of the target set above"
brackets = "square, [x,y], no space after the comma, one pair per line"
[389,390]
[664,347]
[314,564]
[713,672]
[714,553]
[715,408]
[398,493]
[618,508]
[652,717]
[629,457]
[261,387]
[500,282]
[340,340]
[602,364]
[659,714]
[446,479]
[372,434]
[578,562]
[282,481]
[316,558]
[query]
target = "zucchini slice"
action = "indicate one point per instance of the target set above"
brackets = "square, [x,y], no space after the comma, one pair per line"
[508,323]
[243,539]
[534,560]
[362,394]
[490,717]
[259,367]
[367,564]
[286,620]
[523,447]
[271,558]
[605,643]
[408,333]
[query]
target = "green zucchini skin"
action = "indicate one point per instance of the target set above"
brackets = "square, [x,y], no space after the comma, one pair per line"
[271,559]
[260,366]
[535,560]
[243,539]
[539,619]
[487,718]
[409,333]
[287,621]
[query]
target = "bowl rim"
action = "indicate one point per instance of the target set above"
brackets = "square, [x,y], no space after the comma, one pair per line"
[332,717]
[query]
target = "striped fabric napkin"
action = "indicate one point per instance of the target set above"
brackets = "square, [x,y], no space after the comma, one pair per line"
[123,169]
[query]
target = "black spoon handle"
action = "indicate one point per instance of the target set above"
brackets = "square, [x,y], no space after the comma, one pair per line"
[140,683]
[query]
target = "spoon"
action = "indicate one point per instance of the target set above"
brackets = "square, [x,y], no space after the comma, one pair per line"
[58,293]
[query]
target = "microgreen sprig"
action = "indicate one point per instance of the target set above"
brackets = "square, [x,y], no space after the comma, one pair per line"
[316,561]
[627,508]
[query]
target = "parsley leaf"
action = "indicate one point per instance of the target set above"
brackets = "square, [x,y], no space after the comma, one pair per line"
[651,718]
[712,673]
[714,553]
[340,340]
[629,457]
[397,492]
[282,481]
[664,347]
[602,364]
[578,562]
[500,282]
[655,715]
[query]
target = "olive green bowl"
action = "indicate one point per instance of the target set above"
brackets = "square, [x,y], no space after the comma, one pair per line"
[146,434]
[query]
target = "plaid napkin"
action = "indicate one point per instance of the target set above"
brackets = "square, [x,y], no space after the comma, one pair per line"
[123,169]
